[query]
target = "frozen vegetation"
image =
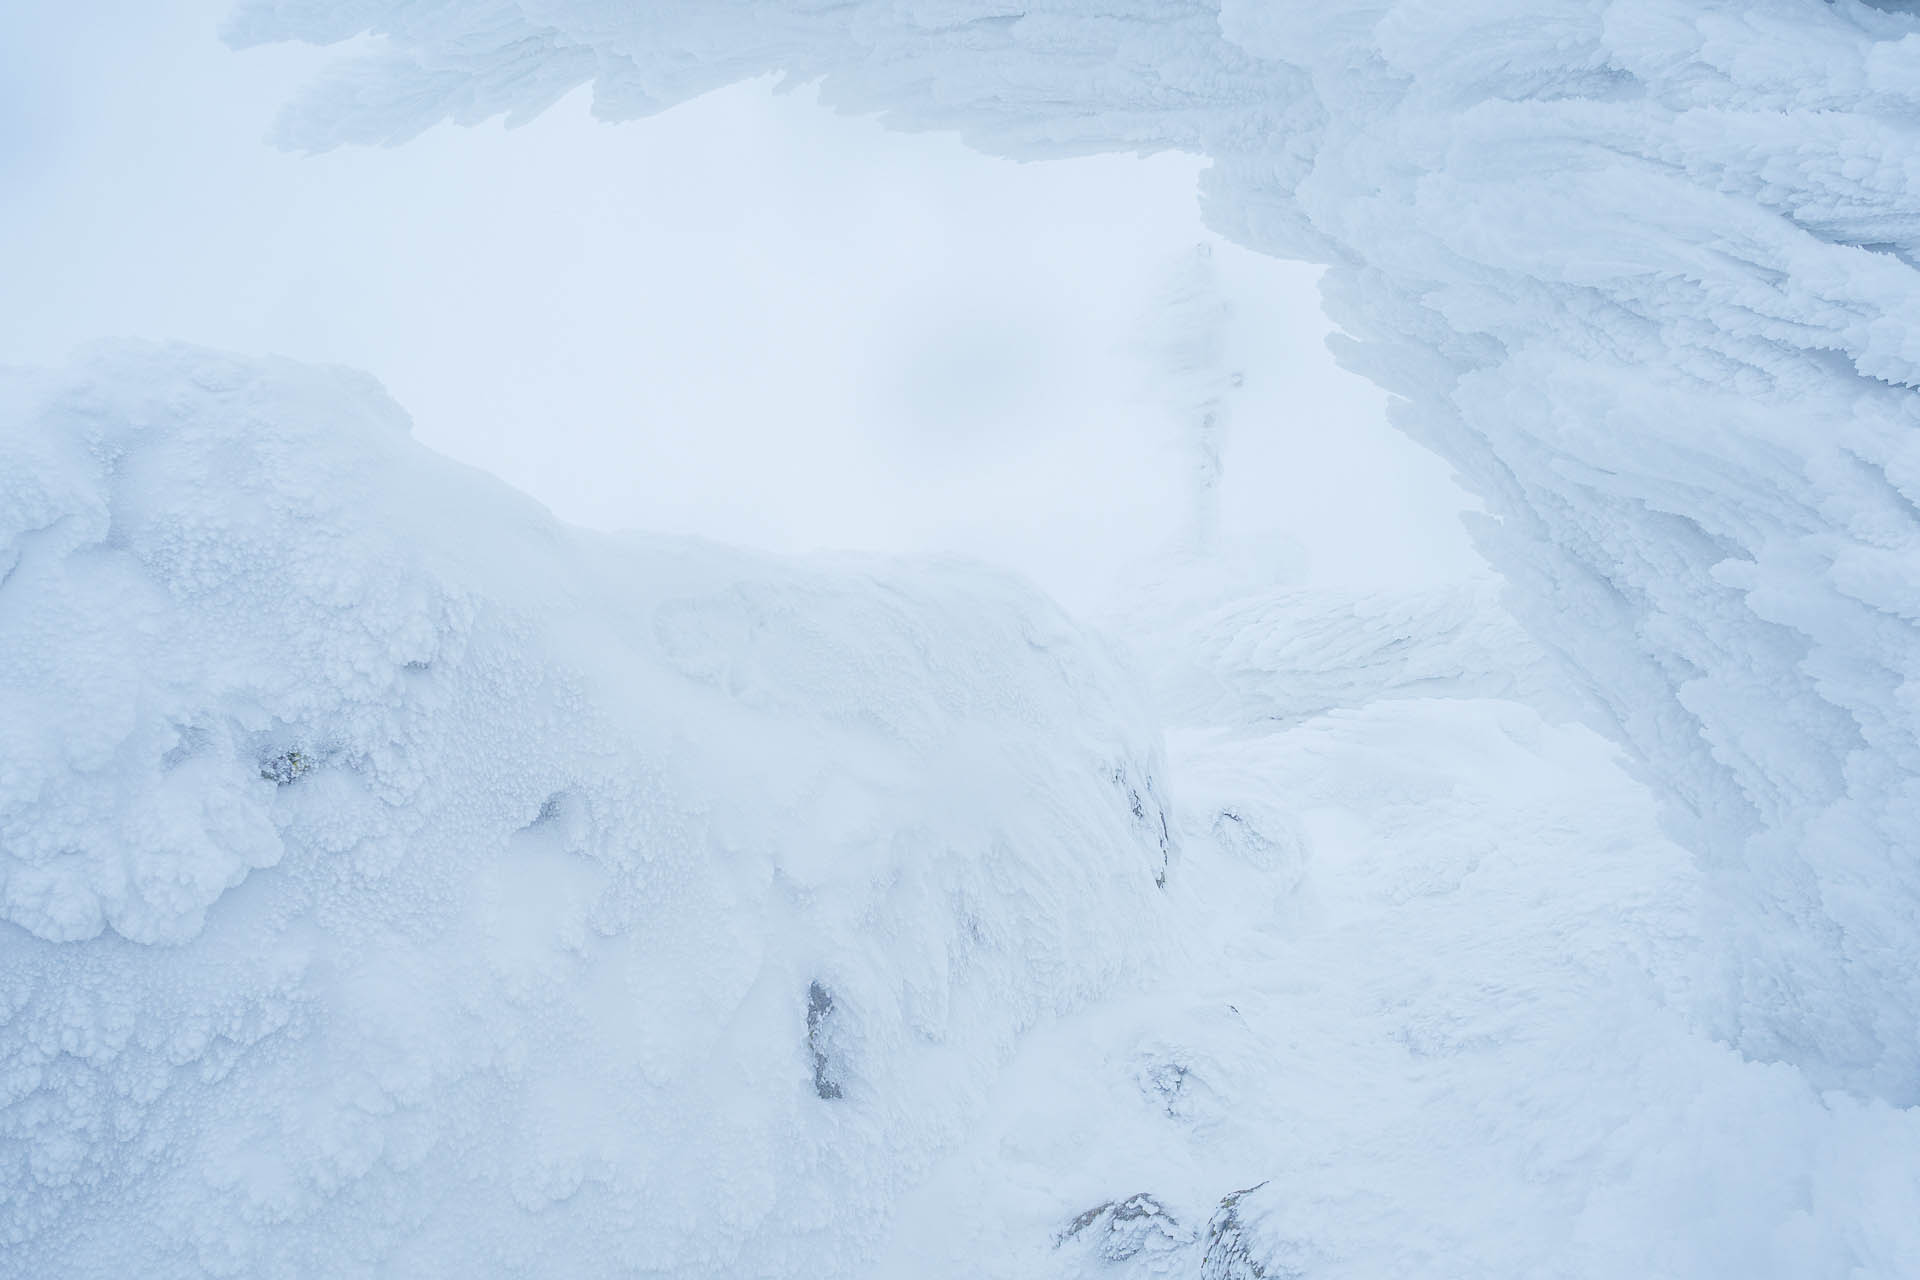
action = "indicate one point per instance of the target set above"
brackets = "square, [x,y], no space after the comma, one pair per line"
[398,882]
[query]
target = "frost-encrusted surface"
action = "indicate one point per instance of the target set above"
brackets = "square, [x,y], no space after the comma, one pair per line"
[398,882]
[1431,1028]
[1283,656]
[1644,270]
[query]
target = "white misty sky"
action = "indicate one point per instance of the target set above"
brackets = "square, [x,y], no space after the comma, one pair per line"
[747,318]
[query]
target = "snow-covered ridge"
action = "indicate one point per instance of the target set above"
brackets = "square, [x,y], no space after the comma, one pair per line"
[1644,270]
[397,881]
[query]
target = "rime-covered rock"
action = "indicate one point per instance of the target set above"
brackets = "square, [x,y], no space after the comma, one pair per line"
[396,881]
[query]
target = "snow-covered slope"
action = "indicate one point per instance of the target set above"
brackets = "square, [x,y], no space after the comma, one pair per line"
[1431,1029]
[398,882]
[393,881]
[1284,655]
[1644,270]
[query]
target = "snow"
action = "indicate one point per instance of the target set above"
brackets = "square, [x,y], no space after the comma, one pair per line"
[1286,655]
[1642,270]
[401,882]
[1434,1030]
[398,881]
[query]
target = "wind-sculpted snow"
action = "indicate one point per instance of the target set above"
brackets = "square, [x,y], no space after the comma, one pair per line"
[399,882]
[1431,1030]
[1285,656]
[1644,270]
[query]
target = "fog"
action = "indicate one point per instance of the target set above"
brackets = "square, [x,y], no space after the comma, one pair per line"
[747,318]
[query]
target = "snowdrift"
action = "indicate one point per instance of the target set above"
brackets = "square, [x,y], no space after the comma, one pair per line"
[397,881]
[1643,270]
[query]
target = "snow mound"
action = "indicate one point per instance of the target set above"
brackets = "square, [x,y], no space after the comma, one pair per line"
[399,882]
[1645,271]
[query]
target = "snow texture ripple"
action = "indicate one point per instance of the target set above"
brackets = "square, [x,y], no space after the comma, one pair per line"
[1645,271]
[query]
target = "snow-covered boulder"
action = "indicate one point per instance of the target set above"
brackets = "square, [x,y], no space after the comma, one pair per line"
[395,880]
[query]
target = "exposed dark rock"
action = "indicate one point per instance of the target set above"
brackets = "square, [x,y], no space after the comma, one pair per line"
[1230,1254]
[1166,1084]
[284,768]
[1122,1229]
[819,1033]
[1137,799]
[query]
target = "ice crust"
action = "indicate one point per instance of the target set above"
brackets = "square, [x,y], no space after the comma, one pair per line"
[396,881]
[1643,270]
